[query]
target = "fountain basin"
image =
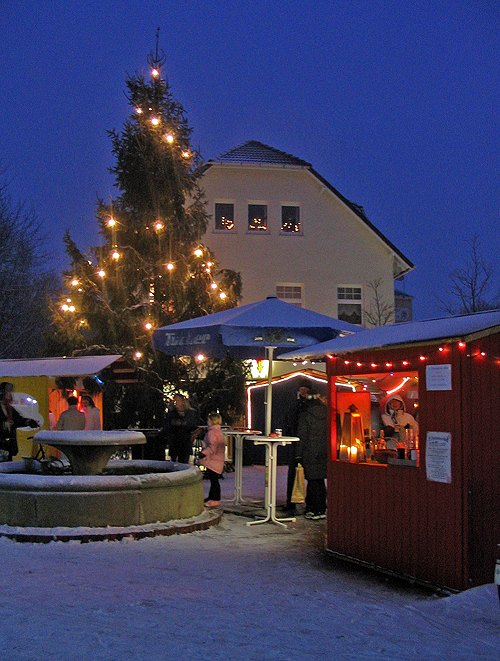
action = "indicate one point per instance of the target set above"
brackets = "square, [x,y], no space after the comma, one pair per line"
[88,452]
[157,491]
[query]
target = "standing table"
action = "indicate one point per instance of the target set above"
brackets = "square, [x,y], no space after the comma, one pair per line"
[238,435]
[271,444]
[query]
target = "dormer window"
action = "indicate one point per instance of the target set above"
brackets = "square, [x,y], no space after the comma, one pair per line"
[257,218]
[290,220]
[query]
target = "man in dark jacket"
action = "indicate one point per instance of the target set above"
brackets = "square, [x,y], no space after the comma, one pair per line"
[180,423]
[312,431]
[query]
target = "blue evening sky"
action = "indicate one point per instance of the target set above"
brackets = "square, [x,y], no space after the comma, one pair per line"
[393,101]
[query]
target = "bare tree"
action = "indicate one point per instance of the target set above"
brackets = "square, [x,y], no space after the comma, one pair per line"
[472,285]
[25,281]
[378,311]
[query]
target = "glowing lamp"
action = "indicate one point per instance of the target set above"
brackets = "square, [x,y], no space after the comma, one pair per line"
[359,364]
[111,222]
[71,308]
[462,345]
[422,358]
[405,363]
[213,285]
[65,307]
[200,357]
[346,362]
[148,325]
[388,364]
[155,73]
[101,274]
[115,255]
[198,252]
[138,111]
[75,282]
[222,295]
[373,364]
[186,153]
[155,121]
[138,355]
[169,138]
[159,226]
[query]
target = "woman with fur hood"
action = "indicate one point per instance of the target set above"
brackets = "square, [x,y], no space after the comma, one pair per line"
[396,418]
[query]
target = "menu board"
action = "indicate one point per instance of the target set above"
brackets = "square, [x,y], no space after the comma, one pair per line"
[438,377]
[438,456]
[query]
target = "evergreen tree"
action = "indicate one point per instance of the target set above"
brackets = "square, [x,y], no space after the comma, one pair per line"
[152,269]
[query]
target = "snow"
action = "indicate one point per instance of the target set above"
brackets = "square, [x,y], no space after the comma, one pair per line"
[229,592]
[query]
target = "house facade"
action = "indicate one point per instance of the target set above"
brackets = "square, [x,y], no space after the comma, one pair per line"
[291,234]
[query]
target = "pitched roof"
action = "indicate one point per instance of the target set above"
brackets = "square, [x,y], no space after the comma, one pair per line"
[426,330]
[254,152]
[257,152]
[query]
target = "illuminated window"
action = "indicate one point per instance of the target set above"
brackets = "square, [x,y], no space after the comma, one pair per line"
[349,304]
[224,217]
[290,293]
[290,220]
[257,218]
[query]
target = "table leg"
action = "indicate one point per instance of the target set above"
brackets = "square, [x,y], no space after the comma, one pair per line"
[272,462]
[238,499]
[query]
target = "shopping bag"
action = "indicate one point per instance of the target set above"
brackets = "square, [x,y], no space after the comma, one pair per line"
[299,486]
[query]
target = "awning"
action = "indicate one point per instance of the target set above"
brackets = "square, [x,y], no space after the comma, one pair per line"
[79,366]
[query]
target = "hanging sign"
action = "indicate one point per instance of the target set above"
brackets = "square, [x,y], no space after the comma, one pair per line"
[438,456]
[438,377]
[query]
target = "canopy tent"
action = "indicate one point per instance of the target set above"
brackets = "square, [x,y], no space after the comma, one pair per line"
[264,329]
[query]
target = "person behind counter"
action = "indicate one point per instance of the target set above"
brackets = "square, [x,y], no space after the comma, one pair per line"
[91,412]
[72,419]
[395,419]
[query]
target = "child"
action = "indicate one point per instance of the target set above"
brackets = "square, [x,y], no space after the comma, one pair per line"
[212,457]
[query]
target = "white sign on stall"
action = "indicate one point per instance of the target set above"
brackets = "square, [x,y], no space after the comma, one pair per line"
[438,456]
[438,377]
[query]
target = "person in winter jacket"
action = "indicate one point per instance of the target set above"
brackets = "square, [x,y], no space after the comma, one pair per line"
[72,419]
[313,454]
[180,423]
[396,419]
[212,457]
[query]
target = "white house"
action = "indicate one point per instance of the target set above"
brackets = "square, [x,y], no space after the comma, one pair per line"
[290,233]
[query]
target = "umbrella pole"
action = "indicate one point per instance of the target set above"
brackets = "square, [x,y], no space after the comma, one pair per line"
[269,399]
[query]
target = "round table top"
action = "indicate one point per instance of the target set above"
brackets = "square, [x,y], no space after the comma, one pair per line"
[241,432]
[90,438]
[276,439]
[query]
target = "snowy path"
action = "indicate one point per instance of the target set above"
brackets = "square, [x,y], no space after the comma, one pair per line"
[231,592]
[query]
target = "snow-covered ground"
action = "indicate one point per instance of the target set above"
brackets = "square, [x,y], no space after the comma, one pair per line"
[230,592]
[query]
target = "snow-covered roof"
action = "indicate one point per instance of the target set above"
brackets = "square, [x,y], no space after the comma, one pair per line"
[79,366]
[428,330]
[255,153]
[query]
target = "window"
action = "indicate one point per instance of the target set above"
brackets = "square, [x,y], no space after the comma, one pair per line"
[290,220]
[349,307]
[290,293]
[257,218]
[224,217]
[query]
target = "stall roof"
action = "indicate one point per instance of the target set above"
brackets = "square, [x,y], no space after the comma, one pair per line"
[427,330]
[79,366]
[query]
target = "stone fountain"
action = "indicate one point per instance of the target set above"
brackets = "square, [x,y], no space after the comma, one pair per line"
[101,498]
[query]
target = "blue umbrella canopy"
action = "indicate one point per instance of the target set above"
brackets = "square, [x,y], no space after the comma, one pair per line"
[264,329]
[245,332]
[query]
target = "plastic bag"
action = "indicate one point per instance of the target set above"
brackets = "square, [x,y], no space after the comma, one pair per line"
[299,486]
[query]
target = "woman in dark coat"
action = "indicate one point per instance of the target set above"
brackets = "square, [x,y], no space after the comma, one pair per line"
[180,422]
[312,431]
[10,420]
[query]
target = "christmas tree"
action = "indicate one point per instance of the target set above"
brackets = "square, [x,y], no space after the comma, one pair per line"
[152,269]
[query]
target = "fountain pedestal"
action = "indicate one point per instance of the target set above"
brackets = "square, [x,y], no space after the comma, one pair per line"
[88,452]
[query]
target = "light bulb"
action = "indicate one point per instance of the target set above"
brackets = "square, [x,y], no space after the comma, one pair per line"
[198,252]
[65,307]
[155,73]
[138,110]
[155,121]
[138,355]
[75,282]
[159,225]
[71,308]
[101,273]
[213,285]
[170,266]
[222,295]
[169,138]
[115,255]
[111,222]
[200,357]
[148,325]
[186,153]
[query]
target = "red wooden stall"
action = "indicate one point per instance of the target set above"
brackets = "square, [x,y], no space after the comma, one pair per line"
[434,520]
